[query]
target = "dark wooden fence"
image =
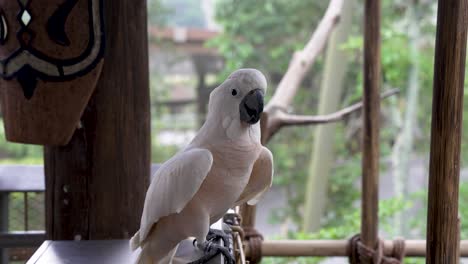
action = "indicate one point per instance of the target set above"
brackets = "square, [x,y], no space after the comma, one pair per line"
[23,179]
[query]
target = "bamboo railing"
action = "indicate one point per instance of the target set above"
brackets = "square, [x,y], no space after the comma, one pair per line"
[337,248]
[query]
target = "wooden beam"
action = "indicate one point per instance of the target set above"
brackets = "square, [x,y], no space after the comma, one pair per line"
[21,239]
[95,185]
[371,112]
[337,248]
[447,110]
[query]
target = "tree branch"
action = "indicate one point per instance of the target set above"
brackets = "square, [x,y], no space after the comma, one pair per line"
[286,119]
[302,60]
[277,118]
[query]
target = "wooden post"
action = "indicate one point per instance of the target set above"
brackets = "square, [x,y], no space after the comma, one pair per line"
[4,210]
[447,110]
[249,215]
[95,186]
[371,111]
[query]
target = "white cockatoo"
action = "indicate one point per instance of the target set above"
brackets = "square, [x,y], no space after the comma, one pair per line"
[224,165]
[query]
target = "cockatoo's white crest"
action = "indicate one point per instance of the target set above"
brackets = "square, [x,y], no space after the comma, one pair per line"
[250,78]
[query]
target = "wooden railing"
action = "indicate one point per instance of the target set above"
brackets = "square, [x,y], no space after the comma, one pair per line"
[14,179]
[24,179]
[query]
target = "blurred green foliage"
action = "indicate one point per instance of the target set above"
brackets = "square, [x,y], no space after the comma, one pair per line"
[264,33]
[158,13]
[178,13]
[185,13]
[36,217]
[349,225]
[18,153]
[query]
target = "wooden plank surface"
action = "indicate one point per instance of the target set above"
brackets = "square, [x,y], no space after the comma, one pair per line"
[29,178]
[104,252]
[21,178]
[371,112]
[96,185]
[91,252]
[447,110]
[113,251]
[18,239]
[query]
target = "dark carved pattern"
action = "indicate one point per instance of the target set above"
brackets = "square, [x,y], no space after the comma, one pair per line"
[24,35]
[56,23]
[3,28]
[27,75]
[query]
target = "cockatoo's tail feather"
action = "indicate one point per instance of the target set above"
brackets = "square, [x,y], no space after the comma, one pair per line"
[135,241]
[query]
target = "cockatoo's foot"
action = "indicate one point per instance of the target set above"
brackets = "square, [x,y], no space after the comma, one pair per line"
[215,234]
[212,250]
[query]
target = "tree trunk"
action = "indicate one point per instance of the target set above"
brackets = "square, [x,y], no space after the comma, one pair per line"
[330,94]
[96,185]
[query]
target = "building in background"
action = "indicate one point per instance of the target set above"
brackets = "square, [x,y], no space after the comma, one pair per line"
[182,68]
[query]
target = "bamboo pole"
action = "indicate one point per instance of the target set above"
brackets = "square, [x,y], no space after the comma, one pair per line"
[371,111]
[338,248]
[447,110]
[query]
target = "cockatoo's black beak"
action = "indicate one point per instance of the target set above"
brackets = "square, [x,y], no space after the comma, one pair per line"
[251,106]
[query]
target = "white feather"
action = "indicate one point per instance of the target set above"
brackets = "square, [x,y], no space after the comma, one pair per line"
[174,185]
[260,180]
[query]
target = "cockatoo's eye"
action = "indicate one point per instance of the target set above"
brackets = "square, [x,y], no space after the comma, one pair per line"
[234,92]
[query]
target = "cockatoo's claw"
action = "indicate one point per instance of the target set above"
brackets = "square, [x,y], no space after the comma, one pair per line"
[215,234]
[228,258]
[211,250]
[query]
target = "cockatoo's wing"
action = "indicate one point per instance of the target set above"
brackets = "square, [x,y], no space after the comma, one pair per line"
[174,185]
[260,180]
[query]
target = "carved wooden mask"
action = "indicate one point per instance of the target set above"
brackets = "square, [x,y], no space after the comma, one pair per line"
[50,60]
